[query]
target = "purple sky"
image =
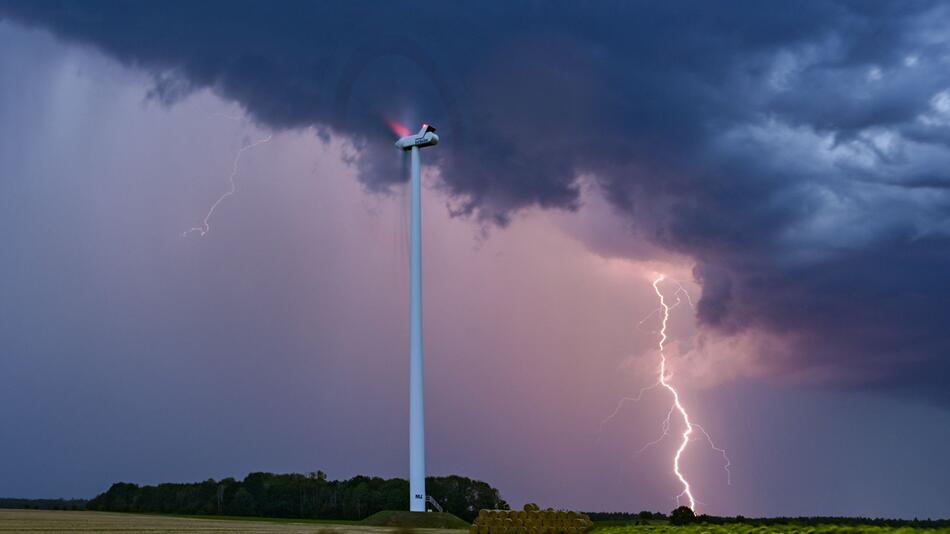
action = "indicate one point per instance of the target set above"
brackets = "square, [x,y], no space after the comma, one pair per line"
[278,341]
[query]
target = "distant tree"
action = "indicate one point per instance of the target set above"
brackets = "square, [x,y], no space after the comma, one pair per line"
[682,516]
[645,515]
[463,496]
[242,503]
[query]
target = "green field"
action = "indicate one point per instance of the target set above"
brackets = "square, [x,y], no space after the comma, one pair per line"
[752,529]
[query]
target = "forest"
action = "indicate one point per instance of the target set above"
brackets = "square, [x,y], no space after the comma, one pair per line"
[296,495]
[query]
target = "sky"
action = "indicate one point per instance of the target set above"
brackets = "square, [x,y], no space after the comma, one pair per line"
[785,164]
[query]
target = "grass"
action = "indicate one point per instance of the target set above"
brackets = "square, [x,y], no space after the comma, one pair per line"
[738,528]
[399,518]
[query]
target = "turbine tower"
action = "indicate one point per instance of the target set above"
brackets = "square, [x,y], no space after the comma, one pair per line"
[417,456]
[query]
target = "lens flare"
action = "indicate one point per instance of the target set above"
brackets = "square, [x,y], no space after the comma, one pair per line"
[396,127]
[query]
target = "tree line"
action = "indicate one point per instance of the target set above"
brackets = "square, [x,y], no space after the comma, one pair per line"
[297,496]
[43,504]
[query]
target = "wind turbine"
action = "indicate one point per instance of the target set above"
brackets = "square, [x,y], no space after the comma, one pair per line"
[417,456]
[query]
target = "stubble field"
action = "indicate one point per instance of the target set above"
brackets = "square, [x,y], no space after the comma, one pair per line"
[64,521]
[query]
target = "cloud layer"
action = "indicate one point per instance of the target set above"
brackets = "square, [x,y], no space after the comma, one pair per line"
[797,152]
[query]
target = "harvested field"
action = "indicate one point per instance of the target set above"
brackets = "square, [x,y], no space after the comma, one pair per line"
[63,521]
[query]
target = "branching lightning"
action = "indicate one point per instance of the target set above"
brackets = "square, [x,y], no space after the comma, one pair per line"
[205,223]
[664,380]
[676,399]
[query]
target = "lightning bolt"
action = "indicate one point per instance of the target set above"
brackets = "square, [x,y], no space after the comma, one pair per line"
[677,407]
[679,294]
[676,400]
[205,223]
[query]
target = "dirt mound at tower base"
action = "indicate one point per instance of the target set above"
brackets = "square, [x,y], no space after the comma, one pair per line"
[402,518]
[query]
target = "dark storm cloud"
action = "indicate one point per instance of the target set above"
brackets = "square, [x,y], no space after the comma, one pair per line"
[797,150]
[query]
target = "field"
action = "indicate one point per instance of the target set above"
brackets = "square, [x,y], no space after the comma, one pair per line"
[56,521]
[751,529]
[62,521]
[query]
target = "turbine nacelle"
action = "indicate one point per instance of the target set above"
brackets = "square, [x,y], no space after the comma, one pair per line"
[425,137]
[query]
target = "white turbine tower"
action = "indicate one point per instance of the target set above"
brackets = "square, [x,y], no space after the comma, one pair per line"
[417,455]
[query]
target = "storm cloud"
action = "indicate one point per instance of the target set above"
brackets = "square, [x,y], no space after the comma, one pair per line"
[797,152]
